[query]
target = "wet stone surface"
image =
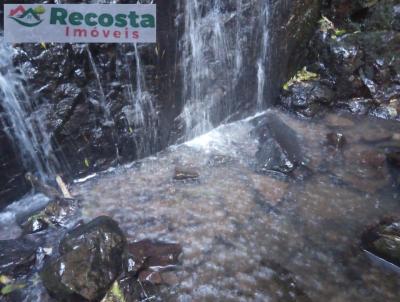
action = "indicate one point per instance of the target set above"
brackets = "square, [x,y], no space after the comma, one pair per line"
[90,261]
[243,235]
[253,237]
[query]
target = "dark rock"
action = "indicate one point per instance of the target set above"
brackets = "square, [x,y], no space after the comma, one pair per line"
[357,55]
[359,106]
[383,240]
[91,259]
[34,224]
[17,256]
[128,289]
[61,211]
[185,173]
[272,157]
[58,212]
[279,148]
[307,97]
[336,140]
[148,253]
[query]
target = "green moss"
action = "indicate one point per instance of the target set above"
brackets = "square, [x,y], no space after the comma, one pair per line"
[301,76]
[5,279]
[9,288]
[117,292]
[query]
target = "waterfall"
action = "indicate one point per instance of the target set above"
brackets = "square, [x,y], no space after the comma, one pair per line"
[215,51]
[263,58]
[141,115]
[27,131]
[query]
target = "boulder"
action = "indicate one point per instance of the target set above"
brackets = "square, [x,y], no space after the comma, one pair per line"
[91,258]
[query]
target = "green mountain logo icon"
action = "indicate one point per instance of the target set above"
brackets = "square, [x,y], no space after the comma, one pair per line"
[27,17]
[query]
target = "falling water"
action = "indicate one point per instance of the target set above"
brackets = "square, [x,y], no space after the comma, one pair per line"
[263,58]
[27,131]
[215,51]
[141,114]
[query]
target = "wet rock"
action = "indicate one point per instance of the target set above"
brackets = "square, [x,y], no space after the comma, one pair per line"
[383,240]
[336,140]
[279,149]
[272,157]
[359,106]
[34,224]
[150,253]
[128,289]
[91,259]
[62,210]
[17,256]
[186,173]
[58,212]
[306,97]
[384,16]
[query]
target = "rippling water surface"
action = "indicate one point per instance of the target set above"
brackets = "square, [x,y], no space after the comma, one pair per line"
[253,237]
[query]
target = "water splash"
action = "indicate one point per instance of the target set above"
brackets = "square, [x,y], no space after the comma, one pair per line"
[27,131]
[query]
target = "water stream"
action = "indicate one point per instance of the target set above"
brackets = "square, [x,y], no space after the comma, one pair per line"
[27,131]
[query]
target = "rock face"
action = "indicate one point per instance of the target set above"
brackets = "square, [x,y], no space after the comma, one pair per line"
[357,58]
[90,261]
[87,92]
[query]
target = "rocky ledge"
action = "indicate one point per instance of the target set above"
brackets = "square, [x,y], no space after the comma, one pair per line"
[354,62]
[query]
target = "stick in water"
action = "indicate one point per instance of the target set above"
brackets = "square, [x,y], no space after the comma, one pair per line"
[63,187]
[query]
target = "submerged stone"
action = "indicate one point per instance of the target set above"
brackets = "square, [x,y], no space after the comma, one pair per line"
[336,140]
[383,240]
[155,253]
[185,173]
[279,148]
[90,261]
